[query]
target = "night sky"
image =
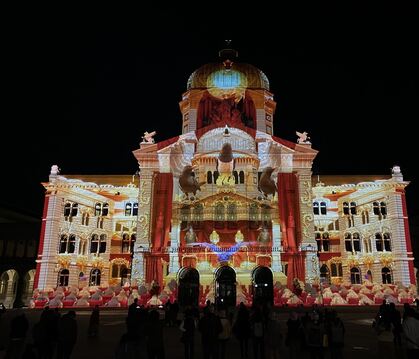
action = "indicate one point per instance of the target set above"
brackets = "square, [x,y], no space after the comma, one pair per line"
[80,92]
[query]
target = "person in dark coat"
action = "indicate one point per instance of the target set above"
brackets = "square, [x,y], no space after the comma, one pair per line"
[241,329]
[94,323]
[67,335]
[210,327]
[18,329]
[188,334]
[155,338]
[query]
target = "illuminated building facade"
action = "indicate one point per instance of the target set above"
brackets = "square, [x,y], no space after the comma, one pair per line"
[225,209]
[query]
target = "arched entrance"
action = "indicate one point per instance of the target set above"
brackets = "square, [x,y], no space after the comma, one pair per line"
[28,286]
[188,290]
[225,286]
[263,289]
[8,287]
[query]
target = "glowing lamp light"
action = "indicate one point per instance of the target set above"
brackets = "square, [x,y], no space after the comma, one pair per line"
[239,236]
[214,237]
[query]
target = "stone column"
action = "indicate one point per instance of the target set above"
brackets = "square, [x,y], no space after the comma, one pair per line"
[308,242]
[47,276]
[276,248]
[174,248]
[142,244]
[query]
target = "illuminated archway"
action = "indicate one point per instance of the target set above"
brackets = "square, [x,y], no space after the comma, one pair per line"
[188,286]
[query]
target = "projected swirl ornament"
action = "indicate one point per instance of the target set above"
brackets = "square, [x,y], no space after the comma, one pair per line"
[223,254]
[227,83]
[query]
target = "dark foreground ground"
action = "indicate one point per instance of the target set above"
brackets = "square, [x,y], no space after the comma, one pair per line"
[360,339]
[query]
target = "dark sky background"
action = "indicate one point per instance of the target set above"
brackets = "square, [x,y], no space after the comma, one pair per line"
[80,91]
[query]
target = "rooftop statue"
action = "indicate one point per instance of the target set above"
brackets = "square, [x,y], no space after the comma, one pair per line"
[148,137]
[303,138]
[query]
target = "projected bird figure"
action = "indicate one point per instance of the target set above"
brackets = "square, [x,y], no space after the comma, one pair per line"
[188,183]
[266,184]
[223,254]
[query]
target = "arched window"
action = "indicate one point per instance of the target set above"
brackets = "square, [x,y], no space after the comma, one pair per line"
[63,277]
[323,208]
[355,276]
[356,243]
[353,208]
[71,244]
[219,212]
[369,275]
[198,212]
[67,209]
[324,274]
[316,208]
[383,209]
[387,242]
[135,209]
[81,279]
[386,276]
[231,212]
[345,208]
[133,239]
[216,174]
[98,209]
[123,273]
[125,243]
[128,209]
[376,208]
[74,209]
[236,177]
[379,242]
[253,212]
[105,209]
[94,243]
[209,177]
[63,244]
[348,242]
[95,277]
[326,242]
[340,270]
[334,269]
[241,177]
[102,244]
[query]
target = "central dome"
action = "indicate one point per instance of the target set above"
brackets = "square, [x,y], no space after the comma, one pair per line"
[216,75]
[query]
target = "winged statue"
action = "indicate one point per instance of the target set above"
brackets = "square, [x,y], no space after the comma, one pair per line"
[303,138]
[148,137]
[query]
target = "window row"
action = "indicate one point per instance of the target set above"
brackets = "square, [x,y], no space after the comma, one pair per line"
[213,176]
[356,278]
[355,274]
[71,210]
[64,276]
[379,209]
[68,244]
[353,243]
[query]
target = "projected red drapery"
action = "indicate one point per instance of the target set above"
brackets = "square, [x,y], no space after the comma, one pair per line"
[162,215]
[289,213]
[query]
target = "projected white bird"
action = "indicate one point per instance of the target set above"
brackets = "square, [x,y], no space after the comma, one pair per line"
[148,137]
